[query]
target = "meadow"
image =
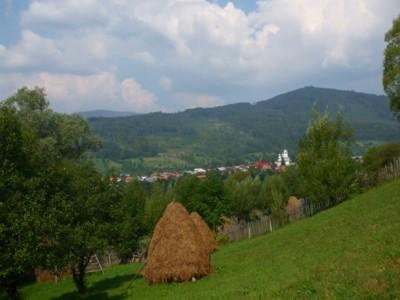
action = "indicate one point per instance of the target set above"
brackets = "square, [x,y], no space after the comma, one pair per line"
[351,251]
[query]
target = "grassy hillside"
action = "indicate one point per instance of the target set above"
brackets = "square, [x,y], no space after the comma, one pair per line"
[349,252]
[234,133]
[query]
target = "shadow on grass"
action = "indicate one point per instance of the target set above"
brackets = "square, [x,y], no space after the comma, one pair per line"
[98,290]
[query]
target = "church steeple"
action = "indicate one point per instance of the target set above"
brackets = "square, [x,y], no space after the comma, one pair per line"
[286,158]
[278,163]
[283,159]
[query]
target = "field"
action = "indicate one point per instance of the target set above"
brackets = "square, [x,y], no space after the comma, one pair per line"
[349,252]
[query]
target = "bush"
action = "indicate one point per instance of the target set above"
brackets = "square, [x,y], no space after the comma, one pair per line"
[324,159]
[377,158]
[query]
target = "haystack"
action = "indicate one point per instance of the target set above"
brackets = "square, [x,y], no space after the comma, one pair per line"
[205,231]
[176,252]
[43,275]
[294,208]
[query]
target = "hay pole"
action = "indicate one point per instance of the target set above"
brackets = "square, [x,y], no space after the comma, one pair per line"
[136,274]
[98,262]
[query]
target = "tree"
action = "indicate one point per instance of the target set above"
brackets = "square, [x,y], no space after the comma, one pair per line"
[274,194]
[293,181]
[243,193]
[204,196]
[16,216]
[324,159]
[83,218]
[156,204]
[131,226]
[68,135]
[391,72]
[55,207]
[210,201]
[378,157]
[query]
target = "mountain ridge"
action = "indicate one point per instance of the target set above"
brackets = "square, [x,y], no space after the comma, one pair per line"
[235,133]
[104,113]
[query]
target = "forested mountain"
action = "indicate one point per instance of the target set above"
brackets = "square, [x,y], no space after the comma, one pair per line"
[234,133]
[105,114]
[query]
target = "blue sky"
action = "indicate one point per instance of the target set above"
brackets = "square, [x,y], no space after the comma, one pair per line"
[245,5]
[170,55]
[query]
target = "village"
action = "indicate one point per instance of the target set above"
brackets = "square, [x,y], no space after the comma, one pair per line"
[282,162]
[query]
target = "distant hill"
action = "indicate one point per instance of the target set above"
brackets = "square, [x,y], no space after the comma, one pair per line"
[235,133]
[105,114]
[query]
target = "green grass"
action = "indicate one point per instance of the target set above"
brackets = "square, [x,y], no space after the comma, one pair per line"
[349,252]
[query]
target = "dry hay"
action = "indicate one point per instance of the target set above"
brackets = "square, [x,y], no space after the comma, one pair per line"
[43,275]
[177,251]
[294,208]
[205,232]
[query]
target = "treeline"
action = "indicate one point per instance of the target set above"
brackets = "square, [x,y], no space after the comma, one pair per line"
[56,210]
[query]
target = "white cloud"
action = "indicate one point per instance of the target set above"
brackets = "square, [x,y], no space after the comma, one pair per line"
[191,100]
[166,83]
[206,48]
[142,56]
[34,52]
[71,93]
[71,13]
[137,97]
[31,50]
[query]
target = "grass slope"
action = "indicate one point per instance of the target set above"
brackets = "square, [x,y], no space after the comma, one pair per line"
[349,252]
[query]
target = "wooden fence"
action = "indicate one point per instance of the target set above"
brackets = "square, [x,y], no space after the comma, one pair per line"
[390,172]
[98,262]
[308,208]
[266,224]
[110,258]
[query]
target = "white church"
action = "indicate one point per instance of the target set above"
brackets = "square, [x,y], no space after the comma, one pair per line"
[283,159]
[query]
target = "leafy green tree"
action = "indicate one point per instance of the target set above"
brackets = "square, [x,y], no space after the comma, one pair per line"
[50,197]
[391,72]
[131,228]
[81,218]
[293,181]
[324,159]
[156,204]
[28,183]
[185,188]
[243,193]
[210,201]
[68,135]
[205,196]
[378,157]
[16,215]
[274,194]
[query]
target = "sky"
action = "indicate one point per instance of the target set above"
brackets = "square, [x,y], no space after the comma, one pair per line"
[170,55]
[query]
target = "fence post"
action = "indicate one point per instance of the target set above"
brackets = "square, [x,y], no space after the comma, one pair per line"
[249,229]
[269,223]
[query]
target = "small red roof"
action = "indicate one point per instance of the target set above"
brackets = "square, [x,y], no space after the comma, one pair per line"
[262,164]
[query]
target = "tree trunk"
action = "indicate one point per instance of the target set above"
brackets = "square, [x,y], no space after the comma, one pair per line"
[78,274]
[12,291]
